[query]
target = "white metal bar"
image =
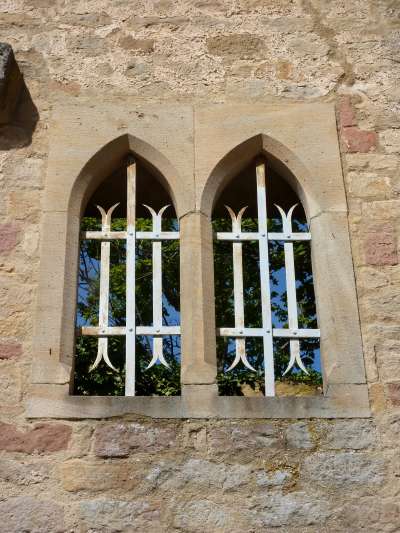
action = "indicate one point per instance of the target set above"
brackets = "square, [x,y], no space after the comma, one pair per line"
[157,288]
[265,283]
[157,235]
[252,236]
[290,274]
[130,339]
[111,331]
[121,235]
[102,343]
[240,343]
[276,332]
[103,235]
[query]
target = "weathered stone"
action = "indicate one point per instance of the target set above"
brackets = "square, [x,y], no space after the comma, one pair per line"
[79,475]
[130,43]
[119,440]
[393,393]
[25,513]
[274,478]
[21,473]
[299,436]
[203,515]
[390,140]
[357,140]
[244,437]
[344,469]
[10,83]
[350,434]
[10,350]
[387,354]
[369,185]
[43,438]
[346,112]
[116,515]
[294,509]
[8,237]
[205,475]
[241,46]
[380,245]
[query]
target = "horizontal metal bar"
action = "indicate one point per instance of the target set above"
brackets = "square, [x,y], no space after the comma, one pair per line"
[251,236]
[111,331]
[161,236]
[276,332]
[104,235]
[120,235]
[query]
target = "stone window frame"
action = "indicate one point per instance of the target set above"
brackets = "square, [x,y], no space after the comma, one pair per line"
[196,149]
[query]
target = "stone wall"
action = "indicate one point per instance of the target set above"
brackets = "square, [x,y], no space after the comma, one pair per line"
[139,475]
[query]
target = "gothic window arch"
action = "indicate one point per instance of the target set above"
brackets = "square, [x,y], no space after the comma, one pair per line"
[194,153]
[263,286]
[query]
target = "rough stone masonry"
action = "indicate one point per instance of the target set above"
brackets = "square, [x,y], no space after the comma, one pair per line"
[132,474]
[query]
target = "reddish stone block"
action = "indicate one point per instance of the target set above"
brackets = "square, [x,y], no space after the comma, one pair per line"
[9,350]
[43,438]
[8,237]
[346,113]
[357,140]
[380,246]
[393,393]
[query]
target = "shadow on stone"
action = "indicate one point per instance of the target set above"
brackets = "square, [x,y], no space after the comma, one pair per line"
[18,132]
[18,113]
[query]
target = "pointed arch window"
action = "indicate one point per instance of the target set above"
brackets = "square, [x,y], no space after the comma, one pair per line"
[266,317]
[128,338]
[264,288]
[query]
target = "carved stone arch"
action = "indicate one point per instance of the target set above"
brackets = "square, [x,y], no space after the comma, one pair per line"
[110,156]
[69,186]
[283,161]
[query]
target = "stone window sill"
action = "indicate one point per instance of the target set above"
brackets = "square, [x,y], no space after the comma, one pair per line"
[340,401]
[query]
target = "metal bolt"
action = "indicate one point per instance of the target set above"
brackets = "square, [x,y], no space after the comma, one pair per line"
[262,234]
[131,329]
[267,331]
[294,332]
[157,235]
[237,236]
[241,332]
[288,236]
[130,234]
[157,331]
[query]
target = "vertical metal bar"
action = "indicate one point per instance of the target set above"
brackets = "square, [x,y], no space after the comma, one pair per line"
[104,289]
[238,295]
[130,340]
[291,300]
[265,284]
[157,289]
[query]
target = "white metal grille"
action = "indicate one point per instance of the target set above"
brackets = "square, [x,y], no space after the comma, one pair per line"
[131,329]
[267,332]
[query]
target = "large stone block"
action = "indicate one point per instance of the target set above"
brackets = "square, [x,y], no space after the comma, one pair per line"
[28,514]
[293,509]
[43,438]
[115,515]
[243,438]
[80,475]
[350,434]
[24,473]
[343,469]
[119,440]
[200,474]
